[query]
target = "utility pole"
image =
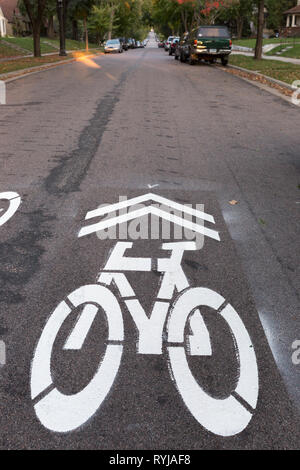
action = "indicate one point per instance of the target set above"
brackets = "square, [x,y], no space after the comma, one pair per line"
[260,29]
[62,39]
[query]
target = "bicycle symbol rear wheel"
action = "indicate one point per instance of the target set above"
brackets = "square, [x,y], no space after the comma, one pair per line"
[224,417]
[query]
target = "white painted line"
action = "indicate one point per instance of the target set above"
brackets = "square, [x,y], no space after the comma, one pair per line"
[145,211]
[83,325]
[14,203]
[199,340]
[2,92]
[103,297]
[247,386]
[185,304]
[121,282]
[63,413]
[151,186]
[224,417]
[118,262]
[150,328]
[149,197]
[40,370]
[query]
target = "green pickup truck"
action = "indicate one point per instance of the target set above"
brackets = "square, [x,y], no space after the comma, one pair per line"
[205,42]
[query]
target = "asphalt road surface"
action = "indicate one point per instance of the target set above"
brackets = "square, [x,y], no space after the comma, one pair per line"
[205,361]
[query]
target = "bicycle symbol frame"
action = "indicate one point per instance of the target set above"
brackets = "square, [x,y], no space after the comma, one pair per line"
[64,413]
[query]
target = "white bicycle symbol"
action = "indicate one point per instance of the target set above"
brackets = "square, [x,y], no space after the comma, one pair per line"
[225,417]
[14,202]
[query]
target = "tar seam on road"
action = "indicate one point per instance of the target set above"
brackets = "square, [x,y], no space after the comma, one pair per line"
[67,176]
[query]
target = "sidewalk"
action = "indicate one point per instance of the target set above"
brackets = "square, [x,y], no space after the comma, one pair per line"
[269,57]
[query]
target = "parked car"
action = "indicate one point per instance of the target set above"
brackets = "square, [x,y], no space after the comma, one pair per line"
[173,45]
[131,43]
[113,45]
[124,43]
[178,46]
[168,42]
[206,42]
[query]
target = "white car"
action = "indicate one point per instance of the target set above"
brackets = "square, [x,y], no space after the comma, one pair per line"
[113,45]
[168,42]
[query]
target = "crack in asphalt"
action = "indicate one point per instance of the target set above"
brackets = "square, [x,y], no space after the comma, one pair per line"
[20,257]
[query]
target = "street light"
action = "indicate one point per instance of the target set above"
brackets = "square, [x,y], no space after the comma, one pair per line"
[62,39]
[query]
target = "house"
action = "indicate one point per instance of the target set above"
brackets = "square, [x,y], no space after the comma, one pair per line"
[3,23]
[293,21]
[16,23]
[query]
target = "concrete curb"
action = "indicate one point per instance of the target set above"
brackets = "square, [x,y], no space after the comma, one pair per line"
[42,68]
[266,77]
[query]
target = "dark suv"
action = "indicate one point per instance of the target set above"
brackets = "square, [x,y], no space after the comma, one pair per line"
[205,42]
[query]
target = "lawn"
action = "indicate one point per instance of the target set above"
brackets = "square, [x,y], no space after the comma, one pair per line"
[283,71]
[27,62]
[7,51]
[27,44]
[251,42]
[47,45]
[294,53]
[71,45]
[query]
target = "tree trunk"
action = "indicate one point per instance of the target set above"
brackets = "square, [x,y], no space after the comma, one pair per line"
[184,20]
[36,22]
[75,30]
[36,28]
[111,22]
[239,27]
[260,29]
[50,27]
[65,9]
[86,34]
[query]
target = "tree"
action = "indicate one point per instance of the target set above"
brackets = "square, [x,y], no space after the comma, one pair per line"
[99,21]
[260,29]
[173,16]
[213,10]
[49,13]
[80,9]
[35,10]
[129,19]
[238,15]
[276,9]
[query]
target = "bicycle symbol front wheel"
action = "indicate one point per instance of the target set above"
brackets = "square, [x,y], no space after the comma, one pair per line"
[57,411]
